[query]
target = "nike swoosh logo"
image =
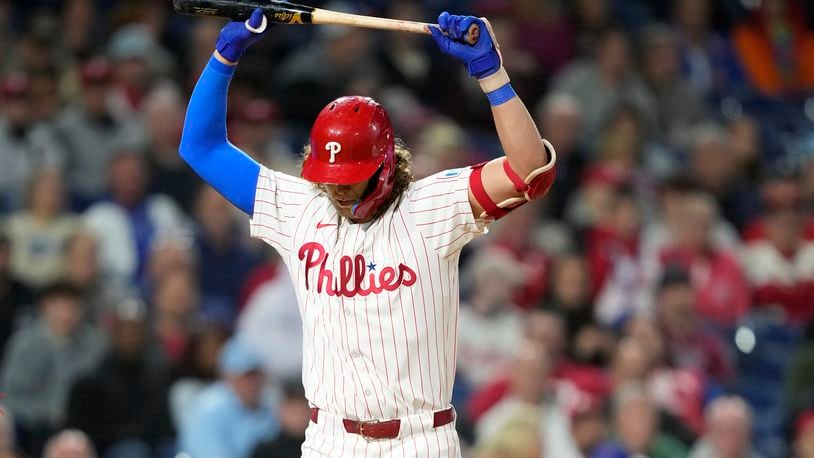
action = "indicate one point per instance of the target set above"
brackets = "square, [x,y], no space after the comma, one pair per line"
[322,225]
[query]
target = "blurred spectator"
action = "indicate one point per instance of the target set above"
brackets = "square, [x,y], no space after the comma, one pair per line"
[659,233]
[779,189]
[570,292]
[81,271]
[743,134]
[43,360]
[490,327]
[689,345]
[35,50]
[404,60]
[589,19]
[441,145]
[122,405]
[175,300]
[197,370]
[729,430]
[15,298]
[780,267]
[678,391]
[38,233]
[93,132]
[128,222]
[231,417]
[775,48]
[617,279]
[138,63]
[168,254]
[294,414]
[518,437]
[597,188]
[714,167]
[678,105]
[604,80]
[25,145]
[79,27]
[69,443]
[538,23]
[224,259]
[804,435]
[302,84]
[271,323]
[45,97]
[722,293]
[589,426]
[531,241]
[531,386]
[708,60]
[636,424]
[163,115]
[258,130]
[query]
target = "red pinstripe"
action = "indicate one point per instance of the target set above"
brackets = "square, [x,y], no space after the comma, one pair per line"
[424,304]
[439,208]
[280,191]
[445,219]
[358,347]
[441,376]
[413,201]
[447,232]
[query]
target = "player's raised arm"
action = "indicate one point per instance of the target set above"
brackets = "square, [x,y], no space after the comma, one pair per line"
[527,170]
[204,145]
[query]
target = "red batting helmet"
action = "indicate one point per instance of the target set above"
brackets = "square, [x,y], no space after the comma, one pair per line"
[352,141]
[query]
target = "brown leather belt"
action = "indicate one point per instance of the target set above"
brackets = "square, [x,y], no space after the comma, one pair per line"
[386,429]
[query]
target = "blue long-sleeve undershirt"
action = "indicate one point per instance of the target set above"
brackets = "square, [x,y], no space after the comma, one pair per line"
[205,147]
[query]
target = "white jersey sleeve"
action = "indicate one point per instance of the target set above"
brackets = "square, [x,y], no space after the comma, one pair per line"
[440,208]
[279,200]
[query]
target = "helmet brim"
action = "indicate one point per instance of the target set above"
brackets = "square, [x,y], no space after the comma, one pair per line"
[346,173]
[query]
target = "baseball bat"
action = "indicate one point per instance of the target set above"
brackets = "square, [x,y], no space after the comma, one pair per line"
[281,12]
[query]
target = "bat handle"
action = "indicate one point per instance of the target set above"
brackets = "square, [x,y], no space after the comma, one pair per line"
[471,38]
[473,34]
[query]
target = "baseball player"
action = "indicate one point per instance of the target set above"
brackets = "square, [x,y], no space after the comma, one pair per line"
[372,254]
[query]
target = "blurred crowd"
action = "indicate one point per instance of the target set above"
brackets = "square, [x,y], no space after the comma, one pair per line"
[659,302]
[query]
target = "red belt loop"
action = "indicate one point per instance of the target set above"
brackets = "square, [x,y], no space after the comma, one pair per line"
[385,429]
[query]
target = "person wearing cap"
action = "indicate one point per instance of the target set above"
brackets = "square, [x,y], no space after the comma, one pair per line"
[93,132]
[231,417]
[25,145]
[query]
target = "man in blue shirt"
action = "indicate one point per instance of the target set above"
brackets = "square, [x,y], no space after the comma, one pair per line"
[230,417]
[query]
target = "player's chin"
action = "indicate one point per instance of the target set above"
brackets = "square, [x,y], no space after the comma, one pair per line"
[345,209]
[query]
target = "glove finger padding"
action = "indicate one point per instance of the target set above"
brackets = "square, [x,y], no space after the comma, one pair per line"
[257,22]
[237,36]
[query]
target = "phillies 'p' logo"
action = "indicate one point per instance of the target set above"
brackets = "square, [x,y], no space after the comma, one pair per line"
[334,148]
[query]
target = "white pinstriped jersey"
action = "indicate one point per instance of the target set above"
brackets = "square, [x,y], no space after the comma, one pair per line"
[379,300]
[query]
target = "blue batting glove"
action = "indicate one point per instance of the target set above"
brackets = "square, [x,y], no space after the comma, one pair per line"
[236,37]
[482,59]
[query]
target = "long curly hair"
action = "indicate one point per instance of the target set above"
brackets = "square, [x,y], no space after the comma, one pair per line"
[404,174]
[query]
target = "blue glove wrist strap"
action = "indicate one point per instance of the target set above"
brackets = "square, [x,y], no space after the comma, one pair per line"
[228,51]
[501,95]
[484,66]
